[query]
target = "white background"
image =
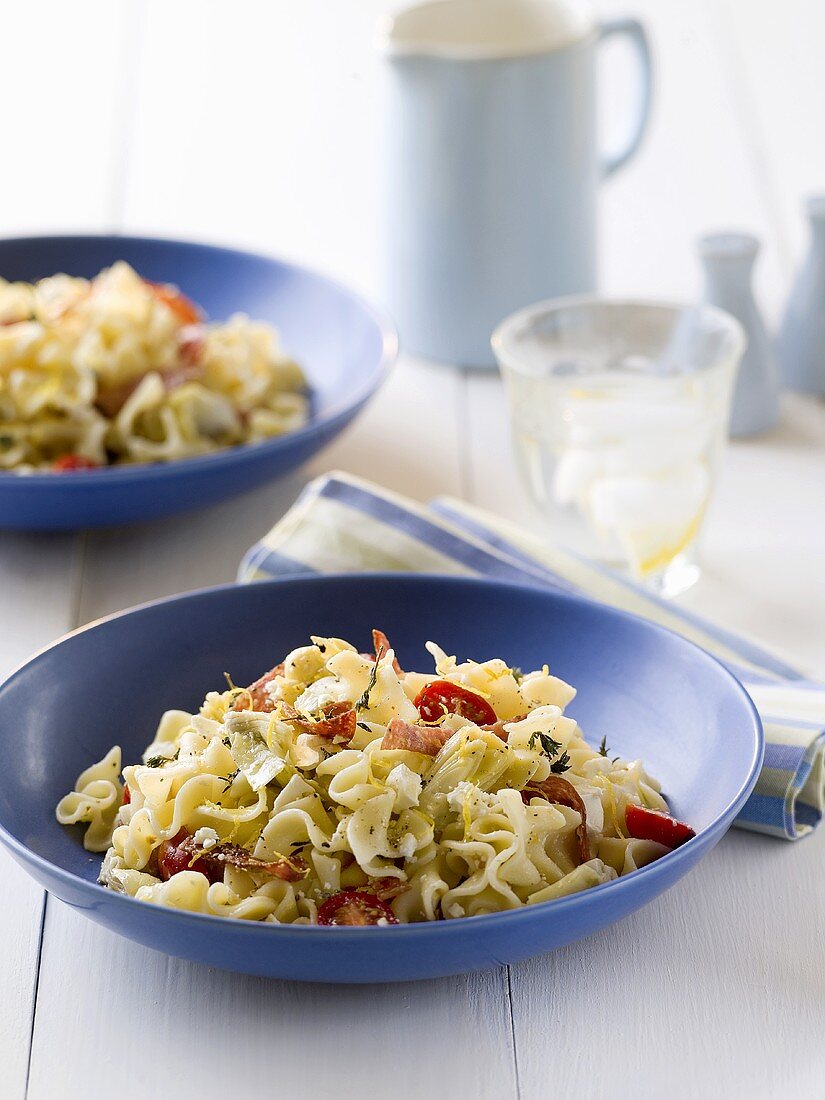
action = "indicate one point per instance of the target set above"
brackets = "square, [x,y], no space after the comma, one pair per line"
[256,123]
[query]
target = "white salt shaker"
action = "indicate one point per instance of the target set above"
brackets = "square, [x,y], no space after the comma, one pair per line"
[801,342]
[728,260]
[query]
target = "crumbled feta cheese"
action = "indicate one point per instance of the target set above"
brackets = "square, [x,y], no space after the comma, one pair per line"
[320,694]
[382,921]
[407,786]
[205,837]
[475,796]
[407,846]
[591,796]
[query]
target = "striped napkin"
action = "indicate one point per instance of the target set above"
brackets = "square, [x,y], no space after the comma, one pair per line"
[341,524]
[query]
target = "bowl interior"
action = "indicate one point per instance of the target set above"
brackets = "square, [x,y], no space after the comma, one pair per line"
[331,332]
[651,694]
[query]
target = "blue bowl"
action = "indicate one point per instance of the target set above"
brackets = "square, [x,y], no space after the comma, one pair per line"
[649,692]
[344,345]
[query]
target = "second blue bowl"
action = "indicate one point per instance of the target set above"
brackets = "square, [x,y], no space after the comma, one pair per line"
[344,345]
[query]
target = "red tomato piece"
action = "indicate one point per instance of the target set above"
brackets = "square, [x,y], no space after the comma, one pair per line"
[644,824]
[183,308]
[127,795]
[355,907]
[68,463]
[444,697]
[175,855]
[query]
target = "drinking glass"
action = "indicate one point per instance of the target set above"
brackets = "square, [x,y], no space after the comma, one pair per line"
[619,412]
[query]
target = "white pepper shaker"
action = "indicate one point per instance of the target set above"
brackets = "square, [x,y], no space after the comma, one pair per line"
[728,260]
[801,342]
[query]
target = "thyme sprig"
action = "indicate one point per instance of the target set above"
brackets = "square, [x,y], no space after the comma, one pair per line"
[561,765]
[364,701]
[551,748]
[159,761]
[230,779]
[605,751]
[548,746]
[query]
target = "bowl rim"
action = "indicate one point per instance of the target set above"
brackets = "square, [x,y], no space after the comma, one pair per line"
[651,871]
[241,452]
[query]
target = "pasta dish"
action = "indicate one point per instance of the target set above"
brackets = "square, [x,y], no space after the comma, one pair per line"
[340,789]
[117,369]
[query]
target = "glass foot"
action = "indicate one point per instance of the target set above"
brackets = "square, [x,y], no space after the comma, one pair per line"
[680,575]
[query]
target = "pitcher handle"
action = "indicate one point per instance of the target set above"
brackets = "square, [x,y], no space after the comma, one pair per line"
[635,32]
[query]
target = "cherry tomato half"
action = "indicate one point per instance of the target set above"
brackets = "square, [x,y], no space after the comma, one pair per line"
[444,696]
[175,855]
[67,463]
[354,907]
[183,308]
[644,824]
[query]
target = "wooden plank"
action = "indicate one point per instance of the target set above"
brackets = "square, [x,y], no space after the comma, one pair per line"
[765,540]
[210,1032]
[38,574]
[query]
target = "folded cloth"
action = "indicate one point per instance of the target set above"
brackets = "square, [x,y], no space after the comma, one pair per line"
[341,524]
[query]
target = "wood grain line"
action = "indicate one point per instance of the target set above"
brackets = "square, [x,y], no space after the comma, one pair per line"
[513,1030]
[40,937]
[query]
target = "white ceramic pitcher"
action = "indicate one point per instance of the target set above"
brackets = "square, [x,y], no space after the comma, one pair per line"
[493,163]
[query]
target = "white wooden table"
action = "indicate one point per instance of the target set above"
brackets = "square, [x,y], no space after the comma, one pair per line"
[255,123]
